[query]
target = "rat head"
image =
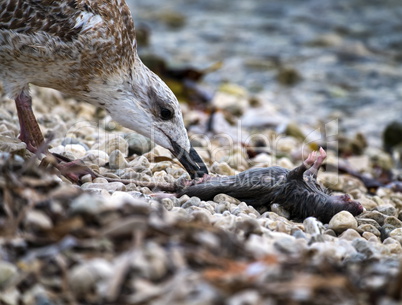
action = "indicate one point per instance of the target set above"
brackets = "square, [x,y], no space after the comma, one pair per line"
[345,202]
[146,105]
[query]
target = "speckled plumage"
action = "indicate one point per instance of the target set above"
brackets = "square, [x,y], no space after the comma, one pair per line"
[87,49]
[82,40]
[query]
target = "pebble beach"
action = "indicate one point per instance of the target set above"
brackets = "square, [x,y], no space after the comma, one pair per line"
[113,240]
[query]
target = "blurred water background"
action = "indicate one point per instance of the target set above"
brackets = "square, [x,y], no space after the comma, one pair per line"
[311,59]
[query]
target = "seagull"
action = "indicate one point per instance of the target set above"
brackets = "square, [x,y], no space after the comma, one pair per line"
[87,49]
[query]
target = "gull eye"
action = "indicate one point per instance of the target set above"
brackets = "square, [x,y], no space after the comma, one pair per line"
[166,114]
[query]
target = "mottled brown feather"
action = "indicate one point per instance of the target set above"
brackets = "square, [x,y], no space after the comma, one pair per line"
[46,31]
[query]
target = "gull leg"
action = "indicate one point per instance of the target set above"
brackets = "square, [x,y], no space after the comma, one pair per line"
[30,133]
[32,136]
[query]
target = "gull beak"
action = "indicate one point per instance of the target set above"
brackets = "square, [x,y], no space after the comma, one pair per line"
[191,161]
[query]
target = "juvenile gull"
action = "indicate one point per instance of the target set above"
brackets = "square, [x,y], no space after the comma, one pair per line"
[87,49]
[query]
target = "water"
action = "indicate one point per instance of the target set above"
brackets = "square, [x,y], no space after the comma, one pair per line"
[348,53]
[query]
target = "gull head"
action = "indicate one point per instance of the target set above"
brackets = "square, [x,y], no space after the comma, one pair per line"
[141,101]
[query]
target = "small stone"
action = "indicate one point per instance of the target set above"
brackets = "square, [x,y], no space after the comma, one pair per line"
[117,160]
[362,221]
[137,144]
[350,234]
[369,228]
[367,203]
[286,244]
[193,201]
[388,210]
[8,272]
[160,166]
[112,143]
[69,141]
[11,297]
[87,204]
[342,221]
[364,247]
[330,232]
[167,203]
[100,180]
[297,233]
[226,198]
[232,98]
[85,277]
[86,178]
[370,236]
[396,234]
[222,169]
[375,215]
[12,145]
[78,151]
[97,157]
[278,209]
[393,221]
[110,187]
[313,226]
[37,220]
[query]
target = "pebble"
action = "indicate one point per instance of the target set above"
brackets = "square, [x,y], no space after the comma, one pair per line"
[89,275]
[112,143]
[342,221]
[350,234]
[396,234]
[117,160]
[137,144]
[375,215]
[313,226]
[97,157]
[222,168]
[369,228]
[8,273]
[388,210]
[278,209]
[37,220]
[12,145]
[226,198]
[70,141]
[393,221]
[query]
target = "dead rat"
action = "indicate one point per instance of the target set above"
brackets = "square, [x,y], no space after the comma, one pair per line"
[295,190]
